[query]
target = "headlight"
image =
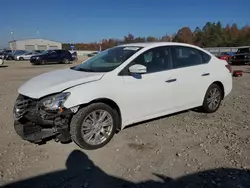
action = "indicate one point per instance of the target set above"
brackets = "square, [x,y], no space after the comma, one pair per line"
[54,102]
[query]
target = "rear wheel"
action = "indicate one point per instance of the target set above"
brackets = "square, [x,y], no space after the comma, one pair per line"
[94,126]
[21,58]
[212,99]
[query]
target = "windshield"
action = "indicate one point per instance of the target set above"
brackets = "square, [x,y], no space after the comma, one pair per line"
[46,52]
[243,50]
[21,52]
[108,60]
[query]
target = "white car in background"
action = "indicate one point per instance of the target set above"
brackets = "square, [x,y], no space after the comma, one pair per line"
[1,61]
[25,56]
[120,86]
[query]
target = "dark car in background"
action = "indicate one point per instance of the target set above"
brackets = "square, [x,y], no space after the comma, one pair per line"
[242,56]
[4,53]
[52,56]
[74,56]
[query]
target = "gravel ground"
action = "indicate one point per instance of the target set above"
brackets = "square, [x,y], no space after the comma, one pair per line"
[188,149]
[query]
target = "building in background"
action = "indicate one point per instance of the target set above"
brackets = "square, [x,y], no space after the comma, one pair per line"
[34,44]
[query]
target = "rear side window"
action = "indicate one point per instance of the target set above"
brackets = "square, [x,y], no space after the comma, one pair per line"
[205,57]
[188,56]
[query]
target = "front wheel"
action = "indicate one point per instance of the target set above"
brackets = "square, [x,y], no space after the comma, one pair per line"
[43,62]
[212,99]
[94,126]
[66,61]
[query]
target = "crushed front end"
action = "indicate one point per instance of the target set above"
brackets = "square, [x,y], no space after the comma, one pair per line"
[40,120]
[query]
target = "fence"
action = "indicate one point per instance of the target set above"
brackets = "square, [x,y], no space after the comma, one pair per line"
[214,50]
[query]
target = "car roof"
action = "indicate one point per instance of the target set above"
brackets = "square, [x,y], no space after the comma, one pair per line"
[156,44]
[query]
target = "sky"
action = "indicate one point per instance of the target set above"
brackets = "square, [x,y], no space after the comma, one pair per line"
[90,21]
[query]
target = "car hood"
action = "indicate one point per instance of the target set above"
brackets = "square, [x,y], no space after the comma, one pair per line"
[56,81]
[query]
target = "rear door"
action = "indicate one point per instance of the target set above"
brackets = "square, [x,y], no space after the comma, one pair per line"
[192,72]
[27,55]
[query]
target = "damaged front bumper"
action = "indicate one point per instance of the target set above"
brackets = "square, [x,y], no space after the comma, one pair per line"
[36,125]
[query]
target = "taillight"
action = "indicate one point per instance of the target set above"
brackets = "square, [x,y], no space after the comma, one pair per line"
[229,68]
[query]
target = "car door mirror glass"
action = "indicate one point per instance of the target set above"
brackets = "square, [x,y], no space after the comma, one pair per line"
[138,69]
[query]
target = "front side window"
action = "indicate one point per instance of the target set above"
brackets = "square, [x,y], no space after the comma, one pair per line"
[107,60]
[156,59]
[187,56]
[46,52]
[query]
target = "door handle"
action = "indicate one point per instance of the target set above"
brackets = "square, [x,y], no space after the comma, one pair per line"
[205,74]
[171,80]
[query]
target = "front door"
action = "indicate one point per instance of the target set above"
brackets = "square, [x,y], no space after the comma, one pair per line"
[151,94]
[53,57]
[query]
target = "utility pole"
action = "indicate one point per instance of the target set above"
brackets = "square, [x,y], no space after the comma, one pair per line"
[100,46]
[12,39]
[12,35]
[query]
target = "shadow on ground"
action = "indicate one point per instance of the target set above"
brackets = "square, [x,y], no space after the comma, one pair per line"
[3,66]
[81,172]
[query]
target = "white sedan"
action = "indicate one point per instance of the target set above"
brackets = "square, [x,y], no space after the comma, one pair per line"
[120,86]
[25,56]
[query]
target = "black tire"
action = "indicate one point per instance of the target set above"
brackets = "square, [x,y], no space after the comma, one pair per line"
[205,106]
[77,120]
[43,62]
[21,58]
[66,61]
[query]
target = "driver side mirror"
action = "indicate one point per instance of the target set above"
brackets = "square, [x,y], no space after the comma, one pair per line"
[138,69]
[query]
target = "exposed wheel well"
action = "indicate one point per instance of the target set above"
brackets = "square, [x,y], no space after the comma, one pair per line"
[112,104]
[221,86]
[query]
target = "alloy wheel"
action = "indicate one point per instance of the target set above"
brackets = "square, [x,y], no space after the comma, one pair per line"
[213,98]
[97,127]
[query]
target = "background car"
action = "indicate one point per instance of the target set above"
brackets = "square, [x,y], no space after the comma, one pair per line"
[2,55]
[52,56]
[224,56]
[11,55]
[25,56]
[242,56]
[74,56]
